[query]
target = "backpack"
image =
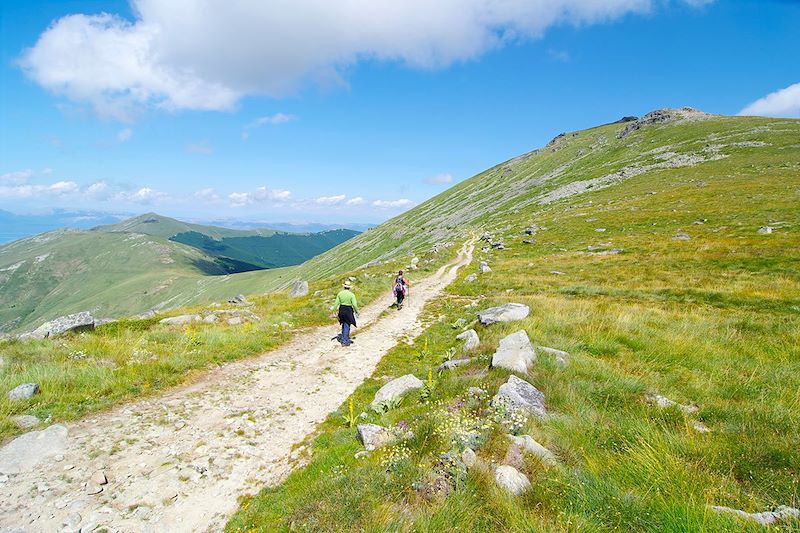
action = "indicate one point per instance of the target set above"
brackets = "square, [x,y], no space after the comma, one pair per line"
[399,285]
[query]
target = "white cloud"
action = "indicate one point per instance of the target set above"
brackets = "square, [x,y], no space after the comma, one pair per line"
[273,120]
[207,195]
[330,200]
[125,135]
[144,195]
[208,54]
[260,195]
[403,203]
[355,201]
[783,103]
[18,177]
[439,179]
[24,190]
[98,190]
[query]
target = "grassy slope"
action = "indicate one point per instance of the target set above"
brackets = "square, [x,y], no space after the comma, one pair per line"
[161,226]
[713,321]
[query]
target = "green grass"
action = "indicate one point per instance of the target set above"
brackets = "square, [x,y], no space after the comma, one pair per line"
[713,321]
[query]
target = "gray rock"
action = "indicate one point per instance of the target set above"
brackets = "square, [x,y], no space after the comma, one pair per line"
[765,230]
[103,321]
[484,268]
[181,319]
[26,421]
[93,488]
[469,458]
[511,480]
[373,263]
[234,321]
[415,261]
[373,436]
[470,338]
[453,363]
[146,315]
[77,322]
[239,299]
[23,392]
[299,288]
[522,395]
[766,518]
[664,402]
[99,478]
[396,389]
[26,451]
[504,313]
[529,445]
[561,357]
[682,237]
[515,353]
[471,278]
[700,427]
[210,319]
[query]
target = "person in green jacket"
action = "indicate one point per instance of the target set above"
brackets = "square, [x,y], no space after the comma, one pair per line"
[348,308]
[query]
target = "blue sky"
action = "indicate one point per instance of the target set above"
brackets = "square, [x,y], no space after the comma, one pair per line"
[309,111]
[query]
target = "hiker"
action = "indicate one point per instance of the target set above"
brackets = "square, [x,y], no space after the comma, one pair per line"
[401,286]
[348,309]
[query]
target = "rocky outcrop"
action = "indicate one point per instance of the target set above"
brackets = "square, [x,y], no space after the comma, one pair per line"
[522,395]
[77,322]
[396,388]
[504,313]
[515,353]
[782,513]
[26,451]
[661,116]
[470,338]
[299,288]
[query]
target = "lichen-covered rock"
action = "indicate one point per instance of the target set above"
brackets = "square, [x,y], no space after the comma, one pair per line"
[527,444]
[299,288]
[470,338]
[373,436]
[511,480]
[396,389]
[522,395]
[515,353]
[23,392]
[503,313]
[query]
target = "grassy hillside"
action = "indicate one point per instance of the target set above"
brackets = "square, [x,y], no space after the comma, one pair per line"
[134,266]
[646,260]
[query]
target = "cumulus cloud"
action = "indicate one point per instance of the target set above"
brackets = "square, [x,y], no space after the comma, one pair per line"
[125,135]
[208,54]
[98,190]
[18,177]
[260,195]
[439,179]
[207,195]
[403,203]
[25,190]
[330,200]
[358,200]
[143,195]
[783,103]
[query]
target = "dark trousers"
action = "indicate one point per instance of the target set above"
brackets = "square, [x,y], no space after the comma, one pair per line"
[400,297]
[345,337]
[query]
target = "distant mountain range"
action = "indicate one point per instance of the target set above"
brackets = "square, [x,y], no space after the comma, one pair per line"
[18,226]
[146,262]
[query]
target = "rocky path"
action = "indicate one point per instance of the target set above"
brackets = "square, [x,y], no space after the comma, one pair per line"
[178,462]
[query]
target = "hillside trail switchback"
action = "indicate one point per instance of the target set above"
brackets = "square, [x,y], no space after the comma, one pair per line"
[179,461]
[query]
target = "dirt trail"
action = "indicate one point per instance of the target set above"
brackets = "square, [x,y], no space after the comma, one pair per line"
[178,462]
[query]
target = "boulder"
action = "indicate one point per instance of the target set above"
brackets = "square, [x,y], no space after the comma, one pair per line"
[373,436]
[522,395]
[26,451]
[765,230]
[26,421]
[23,392]
[77,322]
[470,338]
[527,444]
[239,299]
[234,321]
[469,458]
[504,313]
[452,363]
[181,319]
[299,288]
[210,319]
[396,389]
[415,261]
[561,357]
[483,268]
[515,353]
[765,518]
[511,480]
[682,237]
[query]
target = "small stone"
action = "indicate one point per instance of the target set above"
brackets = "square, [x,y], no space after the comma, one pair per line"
[68,467]
[60,504]
[600,230]
[180,424]
[23,392]
[557,273]
[681,237]
[453,363]
[210,319]
[93,488]
[234,321]
[99,478]
[470,338]
[561,357]
[73,520]
[511,480]
[373,436]
[471,278]
[529,445]
[361,454]
[469,458]
[239,299]
[700,427]
[765,230]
